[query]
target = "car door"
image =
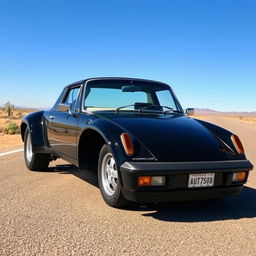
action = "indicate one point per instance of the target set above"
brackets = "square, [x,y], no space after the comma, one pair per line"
[62,124]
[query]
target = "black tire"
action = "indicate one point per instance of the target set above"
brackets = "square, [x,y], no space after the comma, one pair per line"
[34,161]
[116,199]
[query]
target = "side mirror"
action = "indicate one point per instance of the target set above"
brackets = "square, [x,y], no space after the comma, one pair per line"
[64,107]
[190,111]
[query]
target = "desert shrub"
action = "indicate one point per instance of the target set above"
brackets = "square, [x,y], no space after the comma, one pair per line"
[14,117]
[12,128]
[2,113]
[9,108]
[1,129]
[19,114]
[5,131]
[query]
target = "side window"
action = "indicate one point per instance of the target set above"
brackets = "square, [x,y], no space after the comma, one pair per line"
[72,96]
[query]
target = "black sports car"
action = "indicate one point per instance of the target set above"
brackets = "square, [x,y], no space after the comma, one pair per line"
[135,134]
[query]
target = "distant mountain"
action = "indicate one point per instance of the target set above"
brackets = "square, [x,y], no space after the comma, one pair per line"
[205,111]
[198,111]
[30,108]
[23,107]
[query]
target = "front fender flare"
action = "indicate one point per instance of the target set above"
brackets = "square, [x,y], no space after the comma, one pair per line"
[111,132]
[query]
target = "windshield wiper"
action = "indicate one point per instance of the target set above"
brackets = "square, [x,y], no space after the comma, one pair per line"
[169,109]
[157,106]
[147,109]
[178,111]
[126,106]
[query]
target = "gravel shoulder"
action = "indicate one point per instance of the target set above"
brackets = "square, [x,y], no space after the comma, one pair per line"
[9,142]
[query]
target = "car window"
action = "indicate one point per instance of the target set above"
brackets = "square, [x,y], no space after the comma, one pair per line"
[113,95]
[72,97]
[113,98]
[165,99]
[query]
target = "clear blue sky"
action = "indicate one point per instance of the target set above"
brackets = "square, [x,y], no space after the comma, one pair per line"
[205,49]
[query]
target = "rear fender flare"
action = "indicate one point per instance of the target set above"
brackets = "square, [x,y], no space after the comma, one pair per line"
[35,123]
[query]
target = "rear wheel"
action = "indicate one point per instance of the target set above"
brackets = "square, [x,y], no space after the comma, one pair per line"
[34,161]
[109,180]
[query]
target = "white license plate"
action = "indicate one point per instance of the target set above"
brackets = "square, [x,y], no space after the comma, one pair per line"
[201,180]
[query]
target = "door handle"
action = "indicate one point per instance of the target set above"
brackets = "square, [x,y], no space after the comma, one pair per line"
[51,117]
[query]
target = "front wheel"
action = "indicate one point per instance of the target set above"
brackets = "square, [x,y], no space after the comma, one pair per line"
[109,180]
[34,161]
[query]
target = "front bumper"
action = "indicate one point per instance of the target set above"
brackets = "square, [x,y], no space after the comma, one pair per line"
[177,174]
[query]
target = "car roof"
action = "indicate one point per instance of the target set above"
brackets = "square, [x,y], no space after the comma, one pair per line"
[115,78]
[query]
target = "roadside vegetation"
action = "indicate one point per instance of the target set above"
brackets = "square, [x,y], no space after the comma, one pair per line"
[251,119]
[244,118]
[10,118]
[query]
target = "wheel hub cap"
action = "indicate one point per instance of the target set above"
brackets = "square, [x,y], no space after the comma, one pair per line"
[109,174]
[29,152]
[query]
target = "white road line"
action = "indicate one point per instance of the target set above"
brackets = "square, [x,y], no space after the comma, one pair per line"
[11,152]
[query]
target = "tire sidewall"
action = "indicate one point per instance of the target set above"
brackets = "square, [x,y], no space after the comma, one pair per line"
[29,164]
[113,199]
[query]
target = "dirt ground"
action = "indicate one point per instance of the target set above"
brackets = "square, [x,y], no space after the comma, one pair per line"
[11,141]
[5,121]
[249,119]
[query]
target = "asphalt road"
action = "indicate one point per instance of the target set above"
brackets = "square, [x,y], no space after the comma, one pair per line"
[61,212]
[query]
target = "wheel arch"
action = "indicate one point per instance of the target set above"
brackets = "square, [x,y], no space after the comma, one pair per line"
[23,128]
[89,146]
[90,143]
[36,125]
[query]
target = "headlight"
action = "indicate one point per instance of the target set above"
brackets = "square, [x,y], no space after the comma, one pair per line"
[238,144]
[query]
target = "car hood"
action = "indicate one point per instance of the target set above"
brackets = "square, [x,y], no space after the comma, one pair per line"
[171,137]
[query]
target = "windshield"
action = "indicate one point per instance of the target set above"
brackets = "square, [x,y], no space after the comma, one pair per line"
[127,96]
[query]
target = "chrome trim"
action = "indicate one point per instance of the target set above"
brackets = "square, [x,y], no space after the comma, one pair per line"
[187,167]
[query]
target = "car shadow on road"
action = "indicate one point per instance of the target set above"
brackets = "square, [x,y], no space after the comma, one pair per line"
[88,176]
[233,207]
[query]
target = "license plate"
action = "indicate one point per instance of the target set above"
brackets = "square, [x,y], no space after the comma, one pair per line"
[201,180]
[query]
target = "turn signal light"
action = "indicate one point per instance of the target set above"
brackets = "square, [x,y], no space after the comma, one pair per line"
[127,144]
[144,181]
[239,176]
[151,181]
[238,144]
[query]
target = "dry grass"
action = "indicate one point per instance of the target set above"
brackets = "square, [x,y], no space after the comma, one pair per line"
[17,113]
[243,118]
[5,121]
[201,117]
[11,141]
[16,117]
[250,119]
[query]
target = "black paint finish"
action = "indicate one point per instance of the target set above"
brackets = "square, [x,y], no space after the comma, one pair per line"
[157,138]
